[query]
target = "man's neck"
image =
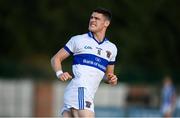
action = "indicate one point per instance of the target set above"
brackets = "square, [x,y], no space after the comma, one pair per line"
[99,36]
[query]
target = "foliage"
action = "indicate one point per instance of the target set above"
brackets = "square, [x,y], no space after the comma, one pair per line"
[146,33]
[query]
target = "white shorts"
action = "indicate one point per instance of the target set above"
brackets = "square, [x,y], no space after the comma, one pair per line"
[77,98]
[167,109]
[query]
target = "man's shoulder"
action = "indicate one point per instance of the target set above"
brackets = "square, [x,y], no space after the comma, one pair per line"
[111,44]
[79,36]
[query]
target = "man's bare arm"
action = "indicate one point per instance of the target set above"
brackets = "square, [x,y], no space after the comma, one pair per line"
[111,78]
[56,61]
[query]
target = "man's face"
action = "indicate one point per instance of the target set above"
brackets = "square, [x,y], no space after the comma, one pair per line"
[97,22]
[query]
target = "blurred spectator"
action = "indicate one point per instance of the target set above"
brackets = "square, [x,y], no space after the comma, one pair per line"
[178,103]
[168,97]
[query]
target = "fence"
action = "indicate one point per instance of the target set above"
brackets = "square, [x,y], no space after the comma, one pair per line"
[16,98]
[26,98]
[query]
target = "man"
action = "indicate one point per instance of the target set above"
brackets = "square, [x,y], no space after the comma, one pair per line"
[93,60]
[168,97]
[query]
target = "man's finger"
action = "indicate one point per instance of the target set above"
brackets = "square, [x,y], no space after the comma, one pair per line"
[68,75]
[63,77]
[114,78]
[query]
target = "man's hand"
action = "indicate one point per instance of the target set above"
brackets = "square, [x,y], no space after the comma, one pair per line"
[112,79]
[64,76]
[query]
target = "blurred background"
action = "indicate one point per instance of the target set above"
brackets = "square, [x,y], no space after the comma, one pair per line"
[147,35]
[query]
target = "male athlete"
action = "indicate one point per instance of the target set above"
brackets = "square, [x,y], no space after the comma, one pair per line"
[93,60]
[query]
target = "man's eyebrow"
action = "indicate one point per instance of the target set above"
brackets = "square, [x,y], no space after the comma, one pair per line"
[95,17]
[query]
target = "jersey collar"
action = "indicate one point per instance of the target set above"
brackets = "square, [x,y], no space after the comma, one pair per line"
[90,34]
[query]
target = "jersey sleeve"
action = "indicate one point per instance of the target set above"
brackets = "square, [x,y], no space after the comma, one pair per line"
[113,57]
[70,46]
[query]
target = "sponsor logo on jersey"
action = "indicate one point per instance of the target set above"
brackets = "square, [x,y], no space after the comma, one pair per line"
[98,59]
[87,47]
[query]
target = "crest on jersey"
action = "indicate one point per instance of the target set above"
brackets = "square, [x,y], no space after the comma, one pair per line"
[108,54]
[99,50]
[88,104]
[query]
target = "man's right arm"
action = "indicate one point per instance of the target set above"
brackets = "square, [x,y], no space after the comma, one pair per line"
[56,61]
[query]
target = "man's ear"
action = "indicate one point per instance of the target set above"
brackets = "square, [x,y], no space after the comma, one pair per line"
[107,23]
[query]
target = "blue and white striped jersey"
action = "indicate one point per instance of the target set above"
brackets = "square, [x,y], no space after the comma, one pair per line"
[90,59]
[167,93]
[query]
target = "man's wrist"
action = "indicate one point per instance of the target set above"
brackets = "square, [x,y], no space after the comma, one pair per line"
[59,72]
[105,77]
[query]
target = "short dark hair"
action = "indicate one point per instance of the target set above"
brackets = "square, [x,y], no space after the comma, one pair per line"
[105,12]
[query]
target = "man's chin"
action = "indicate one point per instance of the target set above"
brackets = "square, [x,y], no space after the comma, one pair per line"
[91,30]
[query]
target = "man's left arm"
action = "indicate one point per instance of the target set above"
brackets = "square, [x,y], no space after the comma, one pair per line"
[110,77]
